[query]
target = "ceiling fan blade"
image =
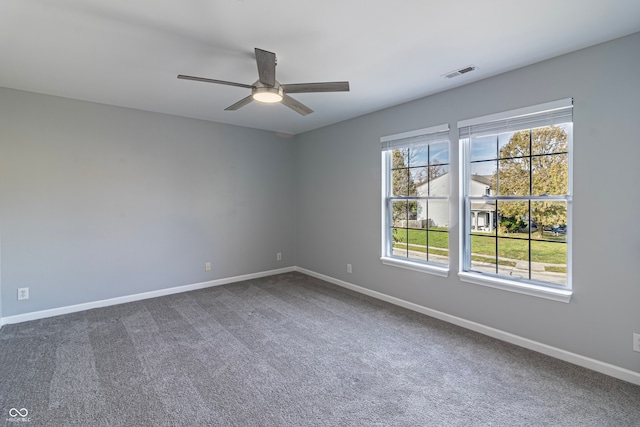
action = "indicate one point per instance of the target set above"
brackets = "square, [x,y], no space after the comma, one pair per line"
[240,104]
[316,87]
[296,106]
[222,82]
[266,67]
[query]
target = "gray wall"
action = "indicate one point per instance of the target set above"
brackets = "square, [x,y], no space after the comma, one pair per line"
[339,192]
[99,202]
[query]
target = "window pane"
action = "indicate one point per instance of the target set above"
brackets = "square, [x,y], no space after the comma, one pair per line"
[438,214]
[483,148]
[418,184]
[513,144]
[417,255]
[419,156]
[400,182]
[550,175]
[439,180]
[482,180]
[483,254]
[513,177]
[512,218]
[438,237]
[399,213]
[438,246]
[417,244]
[412,209]
[550,139]
[399,241]
[439,153]
[437,170]
[483,217]
[549,217]
[400,158]
[550,262]
[417,214]
[513,257]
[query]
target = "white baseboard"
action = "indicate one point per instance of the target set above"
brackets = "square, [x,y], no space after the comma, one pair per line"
[576,359]
[35,315]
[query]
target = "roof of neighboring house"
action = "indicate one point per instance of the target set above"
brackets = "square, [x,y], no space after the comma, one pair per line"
[483,206]
[483,179]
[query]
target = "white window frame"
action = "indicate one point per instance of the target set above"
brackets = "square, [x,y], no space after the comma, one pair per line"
[439,133]
[523,118]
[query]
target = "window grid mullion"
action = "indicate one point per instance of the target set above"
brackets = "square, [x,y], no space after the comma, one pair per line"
[411,198]
[406,230]
[563,198]
[426,238]
[497,193]
[530,194]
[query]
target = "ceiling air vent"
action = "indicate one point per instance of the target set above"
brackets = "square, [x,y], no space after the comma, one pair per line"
[459,72]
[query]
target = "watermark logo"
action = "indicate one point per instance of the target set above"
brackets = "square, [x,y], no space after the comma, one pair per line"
[18,415]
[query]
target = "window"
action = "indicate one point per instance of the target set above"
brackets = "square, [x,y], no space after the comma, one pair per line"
[415,211]
[516,207]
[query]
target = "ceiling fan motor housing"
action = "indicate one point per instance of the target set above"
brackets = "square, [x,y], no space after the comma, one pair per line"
[267,94]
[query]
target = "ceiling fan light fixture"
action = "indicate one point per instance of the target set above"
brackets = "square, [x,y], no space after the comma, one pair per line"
[267,95]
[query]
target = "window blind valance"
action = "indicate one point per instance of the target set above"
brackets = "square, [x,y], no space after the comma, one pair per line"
[415,137]
[548,114]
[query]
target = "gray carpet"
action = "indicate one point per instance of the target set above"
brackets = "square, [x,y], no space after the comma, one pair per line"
[288,350]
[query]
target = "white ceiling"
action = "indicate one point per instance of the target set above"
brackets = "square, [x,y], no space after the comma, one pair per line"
[129,52]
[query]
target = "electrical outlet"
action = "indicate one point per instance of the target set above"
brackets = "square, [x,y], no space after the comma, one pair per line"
[23,293]
[636,342]
[279,256]
[207,266]
[349,270]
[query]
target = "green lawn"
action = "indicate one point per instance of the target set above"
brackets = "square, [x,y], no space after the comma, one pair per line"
[438,238]
[512,248]
[483,246]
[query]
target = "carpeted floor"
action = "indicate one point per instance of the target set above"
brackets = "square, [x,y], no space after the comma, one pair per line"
[288,350]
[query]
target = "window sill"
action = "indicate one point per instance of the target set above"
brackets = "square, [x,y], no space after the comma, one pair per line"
[415,266]
[562,295]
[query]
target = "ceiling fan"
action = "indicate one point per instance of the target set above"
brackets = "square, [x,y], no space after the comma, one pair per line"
[268,90]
